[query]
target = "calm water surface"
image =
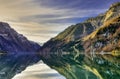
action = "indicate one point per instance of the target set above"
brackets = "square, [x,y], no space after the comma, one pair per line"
[39,71]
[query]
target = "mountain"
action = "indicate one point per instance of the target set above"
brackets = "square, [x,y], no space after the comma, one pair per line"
[13,42]
[87,50]
[105,39]
[72,34]
[75,33]
[16,52]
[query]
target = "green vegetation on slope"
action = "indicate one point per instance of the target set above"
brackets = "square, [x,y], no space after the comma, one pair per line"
[96,56]
[106,38]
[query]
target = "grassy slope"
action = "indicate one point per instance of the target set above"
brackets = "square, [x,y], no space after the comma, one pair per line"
[108,35]
[79,66]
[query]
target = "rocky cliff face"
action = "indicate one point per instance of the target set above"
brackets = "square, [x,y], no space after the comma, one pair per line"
[75,33]
[12,42]
[113,11]
[72,34]
[105,39]
[20,52]
[75,52]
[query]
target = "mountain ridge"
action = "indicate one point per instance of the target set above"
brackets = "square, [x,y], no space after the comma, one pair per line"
[107,36]
[80,30]
[90,56]
[13,42]
[16,52]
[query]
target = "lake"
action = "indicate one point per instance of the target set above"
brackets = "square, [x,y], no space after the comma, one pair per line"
[39,71]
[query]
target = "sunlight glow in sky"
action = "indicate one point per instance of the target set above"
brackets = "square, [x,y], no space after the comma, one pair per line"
[39,20]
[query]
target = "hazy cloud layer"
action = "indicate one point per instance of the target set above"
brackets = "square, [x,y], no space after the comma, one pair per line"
[40,20]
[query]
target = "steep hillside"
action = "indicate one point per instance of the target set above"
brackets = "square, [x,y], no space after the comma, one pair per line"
[88,50]
[105,39]
[12,42]
[113,11]
[71,35]
[74,34]
[16,52]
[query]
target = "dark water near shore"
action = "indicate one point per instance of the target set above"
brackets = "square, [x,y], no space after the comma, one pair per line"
[10,65]
[81,67]
[97,66]
[27,66]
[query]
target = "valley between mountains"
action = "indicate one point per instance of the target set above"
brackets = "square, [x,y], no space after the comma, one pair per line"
[87,50]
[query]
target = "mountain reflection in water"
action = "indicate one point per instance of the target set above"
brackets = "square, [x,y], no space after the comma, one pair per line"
[10,65]
[39,71]
[25,67]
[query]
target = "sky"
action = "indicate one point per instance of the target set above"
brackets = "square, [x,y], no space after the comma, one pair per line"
[40,20]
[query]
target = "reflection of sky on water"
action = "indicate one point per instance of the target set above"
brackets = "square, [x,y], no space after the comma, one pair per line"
[39,71]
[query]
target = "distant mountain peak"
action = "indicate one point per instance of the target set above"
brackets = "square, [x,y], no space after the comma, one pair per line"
[114,5]
[113,11]
[13,42]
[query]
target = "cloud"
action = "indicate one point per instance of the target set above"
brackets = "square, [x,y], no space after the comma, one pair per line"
[39,20]
[76,4]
